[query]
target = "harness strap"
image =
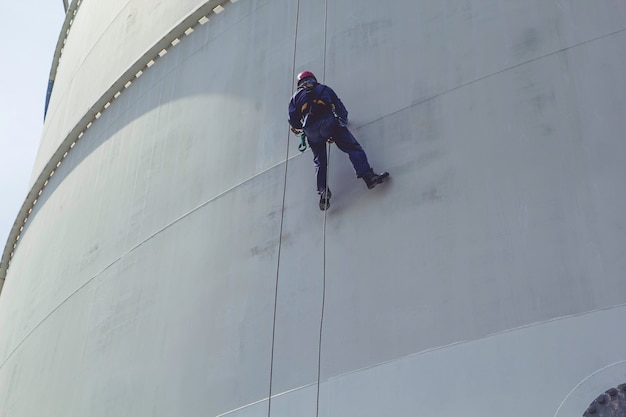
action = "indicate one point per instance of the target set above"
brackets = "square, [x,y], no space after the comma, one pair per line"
[311,102]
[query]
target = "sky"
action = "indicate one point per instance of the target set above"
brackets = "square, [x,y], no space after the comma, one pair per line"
[29,33]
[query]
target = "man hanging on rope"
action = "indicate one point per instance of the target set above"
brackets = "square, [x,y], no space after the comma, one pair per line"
[316,110]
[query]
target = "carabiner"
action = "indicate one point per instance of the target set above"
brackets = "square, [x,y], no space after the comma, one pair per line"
[302,146]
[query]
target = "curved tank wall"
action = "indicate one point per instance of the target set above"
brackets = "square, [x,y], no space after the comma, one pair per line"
[176,262]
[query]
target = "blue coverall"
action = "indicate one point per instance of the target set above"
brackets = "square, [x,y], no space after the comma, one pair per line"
[321,124]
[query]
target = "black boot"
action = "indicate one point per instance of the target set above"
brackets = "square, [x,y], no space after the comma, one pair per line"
[325,199]
[372,179]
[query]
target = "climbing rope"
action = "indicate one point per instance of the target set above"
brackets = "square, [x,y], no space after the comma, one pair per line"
[329,142]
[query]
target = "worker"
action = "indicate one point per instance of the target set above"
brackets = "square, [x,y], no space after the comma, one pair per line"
[316,110]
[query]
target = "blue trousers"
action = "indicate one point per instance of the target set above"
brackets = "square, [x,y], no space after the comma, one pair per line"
[318,133]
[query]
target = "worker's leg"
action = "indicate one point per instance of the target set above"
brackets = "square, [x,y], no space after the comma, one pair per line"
[348,144]
[320,160]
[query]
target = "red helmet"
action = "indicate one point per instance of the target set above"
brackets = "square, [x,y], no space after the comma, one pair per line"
[304,75]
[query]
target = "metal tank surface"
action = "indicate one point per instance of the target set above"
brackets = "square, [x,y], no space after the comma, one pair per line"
[171,259]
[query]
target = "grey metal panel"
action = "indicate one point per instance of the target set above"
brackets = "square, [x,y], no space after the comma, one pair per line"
[408,53]
[300,282]
[177,263]
[104,41]
[142,154]
[299,402]
[140,149]
[301,269]
[257,409]
[48,365]
[143,323]
[527,371]
[516,182]
[311,39]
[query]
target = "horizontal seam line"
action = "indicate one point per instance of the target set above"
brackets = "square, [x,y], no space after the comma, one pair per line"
[129,251]
[417,103]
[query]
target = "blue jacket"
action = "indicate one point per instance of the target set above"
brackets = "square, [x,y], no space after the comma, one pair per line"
[307,107]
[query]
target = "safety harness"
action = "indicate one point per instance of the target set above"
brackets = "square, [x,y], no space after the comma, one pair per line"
[313,105]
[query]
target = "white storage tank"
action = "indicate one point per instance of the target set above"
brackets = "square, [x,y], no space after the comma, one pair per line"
[171,259]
